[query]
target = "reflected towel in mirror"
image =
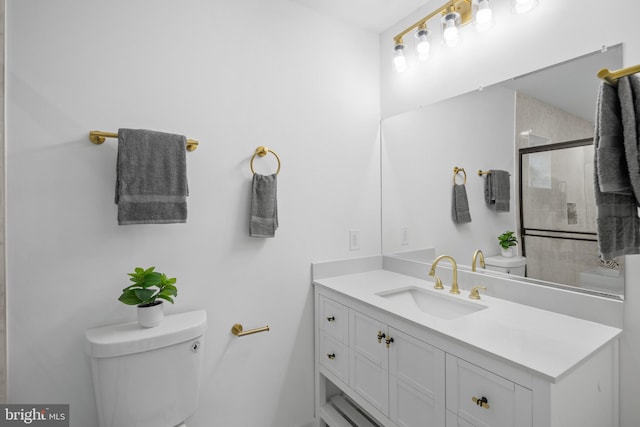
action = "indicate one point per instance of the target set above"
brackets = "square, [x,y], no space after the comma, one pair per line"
[460,205]
[497,190]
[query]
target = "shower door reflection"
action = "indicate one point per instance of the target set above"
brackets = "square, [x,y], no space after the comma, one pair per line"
[558,218]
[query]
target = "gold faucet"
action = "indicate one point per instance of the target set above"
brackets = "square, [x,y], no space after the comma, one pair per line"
[454,285]
[475,259]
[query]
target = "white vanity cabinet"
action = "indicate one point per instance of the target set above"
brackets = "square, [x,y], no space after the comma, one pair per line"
[377,367]
[390,373]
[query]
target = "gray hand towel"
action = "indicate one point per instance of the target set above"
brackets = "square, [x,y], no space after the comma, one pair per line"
[264,206]
[151,183]
[497,190]
[617,214]
[460,205]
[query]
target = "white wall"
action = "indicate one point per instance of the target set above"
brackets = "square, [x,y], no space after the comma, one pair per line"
[234,75]
[420,148]
[554,32]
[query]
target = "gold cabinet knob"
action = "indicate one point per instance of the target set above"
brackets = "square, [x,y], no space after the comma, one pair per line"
[388,341]
[331,356]
[474,294]
[482,402]
[380,336]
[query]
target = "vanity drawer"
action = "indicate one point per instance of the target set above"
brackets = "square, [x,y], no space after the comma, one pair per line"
[333,356]
[334,319]
[507,404]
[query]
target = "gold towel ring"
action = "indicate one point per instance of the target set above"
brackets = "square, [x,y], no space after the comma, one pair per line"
[456,171]
[262,151]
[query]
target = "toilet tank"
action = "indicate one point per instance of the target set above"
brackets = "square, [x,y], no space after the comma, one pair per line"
[147,377]
[514,265]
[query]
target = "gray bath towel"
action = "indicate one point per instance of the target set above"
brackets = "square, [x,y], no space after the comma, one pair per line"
[460,205]
[497,190]
[612,168]
[629,96]
[617,214]
[264,206]
[151,182]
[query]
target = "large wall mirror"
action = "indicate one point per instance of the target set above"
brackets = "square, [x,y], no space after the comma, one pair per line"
[537,127]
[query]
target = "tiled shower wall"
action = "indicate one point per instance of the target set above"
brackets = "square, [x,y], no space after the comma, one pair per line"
[550,259]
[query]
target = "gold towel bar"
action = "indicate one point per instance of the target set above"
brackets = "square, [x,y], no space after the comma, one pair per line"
[612,77]
[481,172]
[263,151]
[456,171]
[98,137]
[237,330]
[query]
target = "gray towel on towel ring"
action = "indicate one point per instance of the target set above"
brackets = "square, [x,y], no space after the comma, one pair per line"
[264,206]
[460,205]
[151,182]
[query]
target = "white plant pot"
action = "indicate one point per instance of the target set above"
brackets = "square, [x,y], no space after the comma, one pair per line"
[150,316]
[507,253]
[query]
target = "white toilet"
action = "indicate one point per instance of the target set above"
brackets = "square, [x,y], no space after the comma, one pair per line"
[147,377]
[515,265]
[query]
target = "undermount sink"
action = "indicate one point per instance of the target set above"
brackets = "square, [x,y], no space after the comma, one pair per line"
[442,306]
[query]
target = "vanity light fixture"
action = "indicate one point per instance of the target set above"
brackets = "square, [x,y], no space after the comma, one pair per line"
[523,6]
[451,22]
[399,60]
[423,42]
[454,15]
[482,15]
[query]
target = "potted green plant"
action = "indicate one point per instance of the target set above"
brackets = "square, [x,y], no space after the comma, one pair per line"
[507,240]
[148,291]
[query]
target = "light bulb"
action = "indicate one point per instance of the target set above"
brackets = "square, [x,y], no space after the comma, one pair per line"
[450,33]
[399,60]
[482,15]
[523,6]
[423,45]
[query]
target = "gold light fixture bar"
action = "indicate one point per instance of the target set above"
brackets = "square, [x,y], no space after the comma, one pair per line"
[612,77]
[98,137]
[463,7]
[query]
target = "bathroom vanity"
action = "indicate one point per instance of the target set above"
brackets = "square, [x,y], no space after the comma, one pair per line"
[392,351]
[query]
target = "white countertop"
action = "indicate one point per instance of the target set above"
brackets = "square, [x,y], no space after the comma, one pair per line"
[547,343]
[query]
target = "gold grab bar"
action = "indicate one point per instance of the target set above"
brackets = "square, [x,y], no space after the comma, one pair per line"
[456,171]
[98,137]
[612,77]
[237,330]
[262,151]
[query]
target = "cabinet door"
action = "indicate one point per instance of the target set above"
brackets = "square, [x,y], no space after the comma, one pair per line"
[416,382]
[369,360]
[507,404]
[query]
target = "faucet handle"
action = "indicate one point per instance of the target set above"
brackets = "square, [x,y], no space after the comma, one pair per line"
[438,284]
[474,294]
